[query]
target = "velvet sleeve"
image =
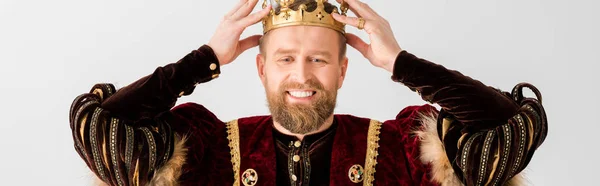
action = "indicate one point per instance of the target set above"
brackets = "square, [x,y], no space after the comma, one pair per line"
[158,92]
[128,136]
[496,156]
[469,101]
[487,136]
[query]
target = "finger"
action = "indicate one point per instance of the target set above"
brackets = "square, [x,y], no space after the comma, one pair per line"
[357,43]
[342,2]
[359,8]
[255,17]
[236,7]
[349,7]
[352,21]
[248,43]
[370,11]
[245,9]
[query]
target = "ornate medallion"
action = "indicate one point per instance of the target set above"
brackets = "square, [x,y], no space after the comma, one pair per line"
[356,173]
[250,177]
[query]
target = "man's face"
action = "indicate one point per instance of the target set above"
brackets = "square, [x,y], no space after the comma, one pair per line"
[301,69]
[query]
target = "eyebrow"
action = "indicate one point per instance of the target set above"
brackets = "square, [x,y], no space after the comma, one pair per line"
[282,51]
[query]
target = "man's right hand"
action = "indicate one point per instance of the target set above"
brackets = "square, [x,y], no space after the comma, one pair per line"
[226,42]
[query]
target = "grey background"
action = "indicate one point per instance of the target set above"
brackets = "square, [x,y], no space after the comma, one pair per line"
[52,51]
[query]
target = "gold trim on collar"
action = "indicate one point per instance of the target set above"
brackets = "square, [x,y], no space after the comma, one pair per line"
[233,135]
[372,147]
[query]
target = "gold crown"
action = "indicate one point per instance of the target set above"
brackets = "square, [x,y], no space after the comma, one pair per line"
[303,12]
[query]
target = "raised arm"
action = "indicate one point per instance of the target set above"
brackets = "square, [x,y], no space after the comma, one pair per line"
[127,135]
[156,93]
[133,136]
[488,136]
[467,100]
[482,136]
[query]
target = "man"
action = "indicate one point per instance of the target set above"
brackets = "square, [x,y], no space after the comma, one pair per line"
[135,136]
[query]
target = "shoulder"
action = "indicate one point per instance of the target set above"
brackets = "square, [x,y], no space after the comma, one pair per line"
[191,116]
[253,121]
[398,141]
[191,109]
[407,119]
[196,113]
[355,121]
[408,136]
[411,118]
[415,112]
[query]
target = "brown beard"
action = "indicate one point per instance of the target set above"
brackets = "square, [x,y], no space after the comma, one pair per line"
[302,118]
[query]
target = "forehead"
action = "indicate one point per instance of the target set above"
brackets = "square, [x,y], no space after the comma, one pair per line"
[303,38]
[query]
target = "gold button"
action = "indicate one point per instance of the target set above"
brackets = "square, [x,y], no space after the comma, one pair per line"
[297,143]
[213,66]
[294,177]
[215,76]
[181,93]
[296,158]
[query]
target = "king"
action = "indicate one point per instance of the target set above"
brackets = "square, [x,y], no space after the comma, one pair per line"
[137,135]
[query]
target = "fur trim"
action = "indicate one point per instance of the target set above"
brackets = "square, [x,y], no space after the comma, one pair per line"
[432,152]
[518,180]
[169,173]
[97,181]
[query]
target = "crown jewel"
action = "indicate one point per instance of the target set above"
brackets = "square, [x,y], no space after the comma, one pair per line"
[303,12]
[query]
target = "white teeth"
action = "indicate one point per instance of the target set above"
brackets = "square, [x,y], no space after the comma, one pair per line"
[301,94]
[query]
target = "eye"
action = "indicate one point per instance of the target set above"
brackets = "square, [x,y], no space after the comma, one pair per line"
[286,59]
[316,60]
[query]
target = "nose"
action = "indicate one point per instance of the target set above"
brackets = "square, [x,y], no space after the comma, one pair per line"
[302,71]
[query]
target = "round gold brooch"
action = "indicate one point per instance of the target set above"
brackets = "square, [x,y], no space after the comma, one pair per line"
[250,177]
[356,173]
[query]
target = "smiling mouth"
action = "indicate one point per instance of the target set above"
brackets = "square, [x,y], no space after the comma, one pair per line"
[301,94]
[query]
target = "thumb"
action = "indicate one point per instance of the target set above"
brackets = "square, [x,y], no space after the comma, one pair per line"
[357,43]
[248,43]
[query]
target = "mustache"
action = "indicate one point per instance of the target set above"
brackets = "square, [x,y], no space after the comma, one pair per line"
[309,84]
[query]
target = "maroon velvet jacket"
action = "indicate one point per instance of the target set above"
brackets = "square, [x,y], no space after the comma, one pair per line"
[137,136]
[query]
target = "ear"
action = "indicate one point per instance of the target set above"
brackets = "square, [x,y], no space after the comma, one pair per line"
[343,68]
[260,67]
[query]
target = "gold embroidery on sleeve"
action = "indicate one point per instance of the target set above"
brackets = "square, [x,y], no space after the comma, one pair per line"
[113,149]
[465,152]
[94,144]
[129,147]
[151,148]
[483,162]
[506,130]
[81,124]
[522,138]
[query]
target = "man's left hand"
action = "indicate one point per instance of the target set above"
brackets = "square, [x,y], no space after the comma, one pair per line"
[383,49]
